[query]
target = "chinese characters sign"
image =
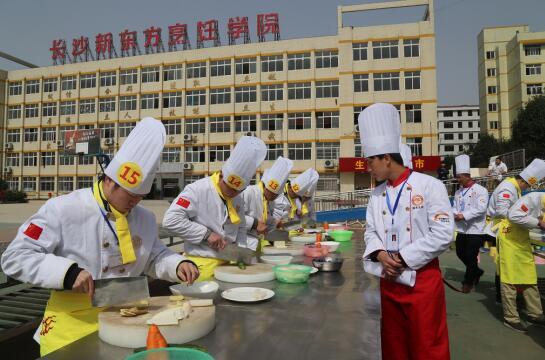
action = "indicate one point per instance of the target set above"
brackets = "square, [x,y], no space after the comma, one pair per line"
[359,165]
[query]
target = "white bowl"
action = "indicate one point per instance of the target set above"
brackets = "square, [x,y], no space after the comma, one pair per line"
[276,259]
[303,239]
[201,290]
[333,245]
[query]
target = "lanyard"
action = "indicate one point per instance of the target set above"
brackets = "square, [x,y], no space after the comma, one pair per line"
[469,188]
[393,211]
[107,222]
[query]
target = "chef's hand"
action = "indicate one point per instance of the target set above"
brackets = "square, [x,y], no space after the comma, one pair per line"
[279,224]
[392,266]
[216,241]
[459,217]
[187,272]
[84,283]
[541,224]
[261,227]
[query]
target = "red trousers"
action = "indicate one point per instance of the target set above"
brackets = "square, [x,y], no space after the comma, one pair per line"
[414,320]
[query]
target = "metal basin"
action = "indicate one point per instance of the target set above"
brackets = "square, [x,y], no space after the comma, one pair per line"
[331,262]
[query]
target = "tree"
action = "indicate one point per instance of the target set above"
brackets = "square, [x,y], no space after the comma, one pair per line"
[529,128]
[486,147]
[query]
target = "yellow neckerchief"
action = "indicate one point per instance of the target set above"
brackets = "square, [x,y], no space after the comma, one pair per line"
[122,231]
[514,182]
[231,210]
[265,202]
[304,208]
[293,209]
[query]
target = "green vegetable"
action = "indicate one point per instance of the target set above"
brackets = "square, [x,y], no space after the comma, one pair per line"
[241,265]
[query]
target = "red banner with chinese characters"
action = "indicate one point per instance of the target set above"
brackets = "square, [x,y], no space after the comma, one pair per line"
[359,165]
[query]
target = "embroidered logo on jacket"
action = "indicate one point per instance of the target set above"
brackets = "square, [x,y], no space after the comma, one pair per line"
[47,324]
[183,202]
[417,200]
[33,231]
[442,217]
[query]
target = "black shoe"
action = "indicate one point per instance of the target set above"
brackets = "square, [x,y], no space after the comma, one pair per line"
[478,278]
[515,326]
[537,321]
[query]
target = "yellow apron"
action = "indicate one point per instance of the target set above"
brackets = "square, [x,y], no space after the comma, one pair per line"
[68,317]
[206,266]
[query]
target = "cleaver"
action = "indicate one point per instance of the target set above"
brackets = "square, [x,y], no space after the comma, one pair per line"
[116,291]
[233,252]
[277,235]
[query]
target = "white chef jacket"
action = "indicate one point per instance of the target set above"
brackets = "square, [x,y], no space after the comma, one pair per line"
[199,208]
[497,170]
[472,202]
[74,230]
[527,209]
[503,197]
[253,207]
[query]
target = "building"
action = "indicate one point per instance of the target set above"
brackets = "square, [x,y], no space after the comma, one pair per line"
[301,96]
[510,62]
[458,128]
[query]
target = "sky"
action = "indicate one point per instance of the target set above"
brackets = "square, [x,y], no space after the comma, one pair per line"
[27,28]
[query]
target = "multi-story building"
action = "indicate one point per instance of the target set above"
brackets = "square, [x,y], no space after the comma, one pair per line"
[458,127]
[301,96]
[510,62]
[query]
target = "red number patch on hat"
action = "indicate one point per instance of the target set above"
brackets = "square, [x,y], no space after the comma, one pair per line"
[33,231]
[506,196]
[129,175]
[524,208]
[183,202]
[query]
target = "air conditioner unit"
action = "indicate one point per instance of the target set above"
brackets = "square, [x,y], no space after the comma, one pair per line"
[8,170]
[329,164]
[108,142]
[8,146]
[250,133]
[60,143]
[188,138]
[356,128]
[188,166]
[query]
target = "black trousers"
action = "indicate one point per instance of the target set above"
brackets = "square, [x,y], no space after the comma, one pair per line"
[467,249]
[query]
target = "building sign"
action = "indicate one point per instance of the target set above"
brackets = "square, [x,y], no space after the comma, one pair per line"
[359,165]
[207,32]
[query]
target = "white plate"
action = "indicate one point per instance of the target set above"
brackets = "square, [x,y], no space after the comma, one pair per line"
[203,289]
[247,294]
[314,270]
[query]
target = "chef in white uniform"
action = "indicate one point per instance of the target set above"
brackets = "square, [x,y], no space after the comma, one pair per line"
[209,213]
[409,224]
[292,203]
[259,201]
[95,233]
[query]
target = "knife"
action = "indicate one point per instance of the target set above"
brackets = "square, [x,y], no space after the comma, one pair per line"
[277,235]
[116,291]
[233,252]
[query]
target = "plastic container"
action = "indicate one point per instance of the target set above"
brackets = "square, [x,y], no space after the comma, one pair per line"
[332,245]
[201,290]
[171,354]
[316,251]
[341,235]
[276,259]
[292,273]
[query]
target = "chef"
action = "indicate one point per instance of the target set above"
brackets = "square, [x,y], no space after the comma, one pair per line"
[409,224]
[470,204]
[306,204]
[95,233]
[259,206]
[209,213]
[292,203]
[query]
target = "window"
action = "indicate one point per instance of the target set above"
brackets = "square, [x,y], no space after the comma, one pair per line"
[448,147]
[361,82]
[128,77]
[299,61]
[30,159]
[272,122]
[69,83]
[412,80]
[87,106]
[411,47]
[492,90]
[108,78]
[195,154]
[448,113]
[149,101]
[274,151]
[107,131]
[150,74]
[220,68]
[66,159]
[106,104]
[171,155]
[470,124]
[470,136]
[31,134]
[413,113]
[65,183]
[299,121]
[494,125]
[327,89]
[491,72]
[245,94]
[359,51]
[534,89]
[493,107]
[245,66]
[470,113]
[14,112]
[490,55]
[172,99]
[48,158]
[196,70]
[328,182]
[327,150]
[50,85]
[219,153]
[272,63]
[245,123]
[220,96]
[534,69]
[87,81]
[195,97]
[125,128]
[300,151]
[416,145]
[358,149]
[127,103]
[84,182]
[32,110]
[15,88]
[326,59]
[385,49]
[12,159]
[29,183]
[64,129]
[300,90]
[13,136]
[460,124]
[532,50]
[173,127]
[449,136]
[386,81]
[272,92]
[195,126]
[32,86]
[13,183]
[189,179]
[327,120]
[172,72]
[459,113]
[49,134]
[221,124]
[460,136]
[86,127]
[85,160]
[68,107]
[49,109]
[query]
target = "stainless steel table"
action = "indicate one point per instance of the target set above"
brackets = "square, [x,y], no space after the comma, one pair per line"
[333,316]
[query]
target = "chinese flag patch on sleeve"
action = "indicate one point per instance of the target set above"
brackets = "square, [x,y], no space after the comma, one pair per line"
[183,202]
[524,208]
[506,196]
[33,231]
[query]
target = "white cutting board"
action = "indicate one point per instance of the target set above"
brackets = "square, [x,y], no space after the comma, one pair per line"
[131,332]
[291,249]
[251,274]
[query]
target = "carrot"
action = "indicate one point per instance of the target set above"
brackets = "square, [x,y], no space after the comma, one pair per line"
[155,339]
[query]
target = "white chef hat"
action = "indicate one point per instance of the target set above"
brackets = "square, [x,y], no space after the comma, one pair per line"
[275,178]
[406,155]
[462,164]
[534,172]
[248,154]
[312,188]
[135,164]
[380,130]
[302,183]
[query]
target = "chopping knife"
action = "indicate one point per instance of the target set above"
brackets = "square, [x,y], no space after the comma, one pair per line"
[233,252]
[116,291]
[292,225]
[277,235]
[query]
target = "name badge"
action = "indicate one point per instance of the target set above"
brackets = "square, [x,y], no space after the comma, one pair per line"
[462,205]
[392,240]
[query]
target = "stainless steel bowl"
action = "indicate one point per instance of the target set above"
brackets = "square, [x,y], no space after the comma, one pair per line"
[331,262]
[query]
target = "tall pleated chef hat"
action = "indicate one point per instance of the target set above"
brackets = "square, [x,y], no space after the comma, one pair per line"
[302,183]
[406,155]
[248,154]
[462,164]
[312,188]
[134,166]
[275,178]
[380,130]
[534,172]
